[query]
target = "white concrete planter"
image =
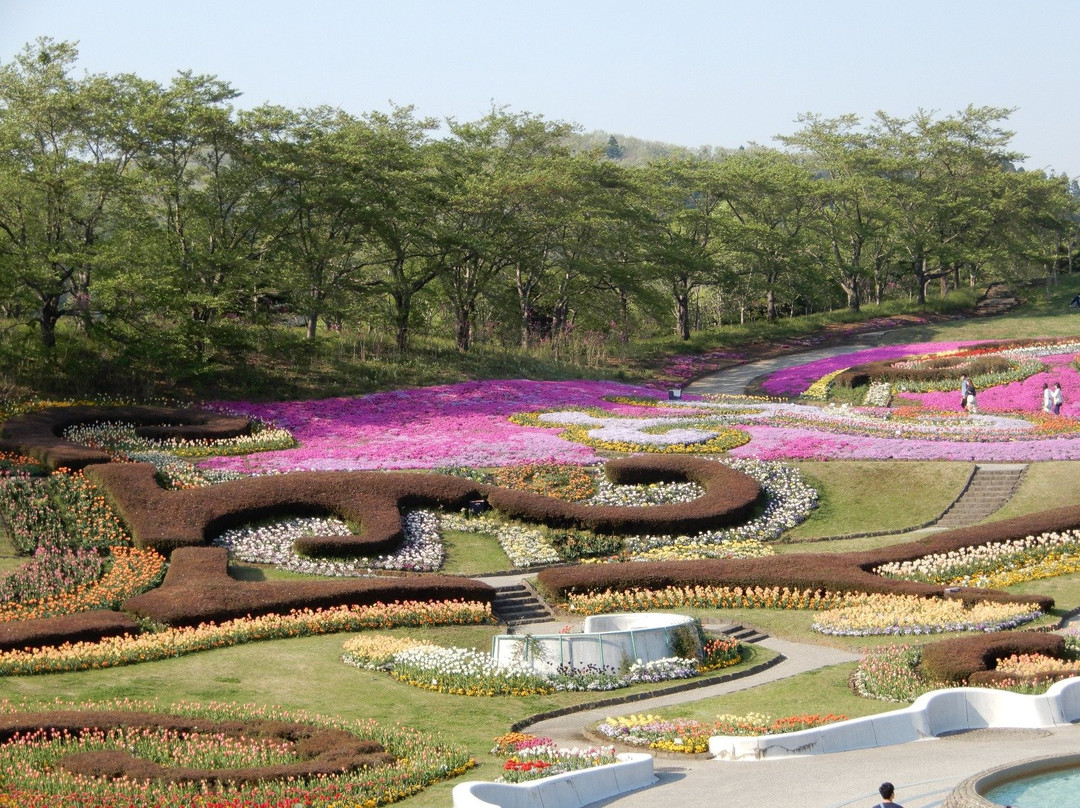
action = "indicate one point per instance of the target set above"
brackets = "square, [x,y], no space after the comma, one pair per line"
[569,790]
[932,714]
[606,641]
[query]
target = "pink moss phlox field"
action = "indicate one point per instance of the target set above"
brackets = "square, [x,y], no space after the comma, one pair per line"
[795,380]
[450,425]
[1022,396]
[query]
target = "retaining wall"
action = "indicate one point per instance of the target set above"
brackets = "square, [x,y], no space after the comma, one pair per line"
[570,790]
[932,714]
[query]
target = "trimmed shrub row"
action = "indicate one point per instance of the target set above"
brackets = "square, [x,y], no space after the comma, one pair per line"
[80,627]
[944,368]
[730,496]
[324,751]
[839,572]
[165,520]
[38,434]
[198,589]
[973,659]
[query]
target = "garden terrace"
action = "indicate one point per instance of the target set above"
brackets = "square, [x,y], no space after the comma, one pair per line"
[39,434]
[323,751]
[973,659]
[81,627]
[730,497]
[198,589]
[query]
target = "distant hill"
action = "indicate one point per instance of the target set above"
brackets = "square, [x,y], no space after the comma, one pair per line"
[634,151]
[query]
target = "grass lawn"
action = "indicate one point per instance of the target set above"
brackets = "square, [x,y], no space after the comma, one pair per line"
[875,495]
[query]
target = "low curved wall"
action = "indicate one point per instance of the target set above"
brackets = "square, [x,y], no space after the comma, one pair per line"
[569,790]
[969,794]
[932,714]
[606,641]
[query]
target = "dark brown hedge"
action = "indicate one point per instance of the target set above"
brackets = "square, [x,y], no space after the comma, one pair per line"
[839,572]
[82,627]
[973,658]
[165,520]
[872,371]
[38,434]
[323,750]
[197,588]
[730,497]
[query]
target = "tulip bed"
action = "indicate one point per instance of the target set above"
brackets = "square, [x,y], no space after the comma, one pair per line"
[133,648]
[137,755]
[877,614]
[690,736]
[529,757]
[1024,662]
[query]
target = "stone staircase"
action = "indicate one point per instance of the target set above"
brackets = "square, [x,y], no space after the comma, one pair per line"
[989,487]
[519,605]
[997,299]
[739,632]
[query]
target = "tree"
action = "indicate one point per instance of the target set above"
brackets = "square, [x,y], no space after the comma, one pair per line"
[688,206]
[489,173]
[851,227]
[769,196]
[67,147]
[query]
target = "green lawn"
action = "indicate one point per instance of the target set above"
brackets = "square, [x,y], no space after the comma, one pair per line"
[868,496]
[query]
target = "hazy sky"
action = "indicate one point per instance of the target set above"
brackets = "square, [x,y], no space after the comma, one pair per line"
[694,73]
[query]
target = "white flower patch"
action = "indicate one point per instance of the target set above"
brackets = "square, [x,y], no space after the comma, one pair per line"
[788,501]
[524,545]
[608,493]
[421,550]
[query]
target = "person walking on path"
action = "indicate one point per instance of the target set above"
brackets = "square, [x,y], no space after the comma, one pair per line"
[1048,398]
[1059,398]
[886,791]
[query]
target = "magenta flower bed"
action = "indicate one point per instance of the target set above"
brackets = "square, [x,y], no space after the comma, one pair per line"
[1023,396]
[777,443]
[795,380]
[451,425]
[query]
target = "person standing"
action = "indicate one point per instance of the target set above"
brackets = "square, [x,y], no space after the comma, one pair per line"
[965,390]
[1048,398]
[1059,398]
[886,791]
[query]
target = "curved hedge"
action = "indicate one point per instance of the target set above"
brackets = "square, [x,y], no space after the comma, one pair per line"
[973,659]
[164,520]
[323,751]
[198,589]
[730,496]
[824,572]
[39,433]
[17,635]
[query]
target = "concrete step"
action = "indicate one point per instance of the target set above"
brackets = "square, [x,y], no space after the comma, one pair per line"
[517,605]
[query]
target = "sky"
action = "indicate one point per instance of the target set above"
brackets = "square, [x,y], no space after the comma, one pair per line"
[691,73]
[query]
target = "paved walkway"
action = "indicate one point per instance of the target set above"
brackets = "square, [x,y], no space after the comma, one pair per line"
[734,381]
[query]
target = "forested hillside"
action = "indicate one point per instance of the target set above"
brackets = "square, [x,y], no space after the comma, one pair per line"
[158,223]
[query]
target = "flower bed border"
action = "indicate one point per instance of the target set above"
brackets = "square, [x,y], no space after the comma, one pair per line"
[324,751]
[38,433]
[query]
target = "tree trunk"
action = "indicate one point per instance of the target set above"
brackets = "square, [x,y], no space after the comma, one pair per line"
[50,315]
[312,325]
[682,315]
